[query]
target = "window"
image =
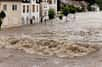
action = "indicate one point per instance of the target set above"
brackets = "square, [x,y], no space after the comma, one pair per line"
[50,1]
[26,1]
[14,7]
[37,1]
[27,8]
[23,8]
[33,8]
[5,7]
[37,8]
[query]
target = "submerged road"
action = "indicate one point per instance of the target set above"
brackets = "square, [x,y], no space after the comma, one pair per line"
[83,29]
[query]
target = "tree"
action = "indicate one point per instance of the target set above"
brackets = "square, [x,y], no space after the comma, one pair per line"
[72,9]
[91,2]
[65,11]
[69,9]
[99,2]
[78,9]
[51,13]
[2,16]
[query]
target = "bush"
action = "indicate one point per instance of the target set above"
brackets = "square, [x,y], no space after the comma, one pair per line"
[78,9]
[89,8]
[99,2]
[70,9]
[91,2]
[51,13]
[65,10]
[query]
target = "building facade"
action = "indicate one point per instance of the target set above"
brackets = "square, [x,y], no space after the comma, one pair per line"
[20,12]
[12,11]
[45,5]
[30,12]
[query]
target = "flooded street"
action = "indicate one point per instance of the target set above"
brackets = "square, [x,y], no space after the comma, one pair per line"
[85,30]
[82,29]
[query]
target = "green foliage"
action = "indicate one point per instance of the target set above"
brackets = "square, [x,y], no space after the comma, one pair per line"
[78,9]
[70,9]
[2,14]
[65,10]
[91,2]
[89,8]
[99,2]
[51,13]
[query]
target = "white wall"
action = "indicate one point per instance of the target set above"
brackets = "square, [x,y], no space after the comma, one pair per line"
[46,6]
[30,14]
[13,18]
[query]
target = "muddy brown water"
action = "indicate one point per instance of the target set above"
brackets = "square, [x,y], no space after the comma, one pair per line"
[87,31]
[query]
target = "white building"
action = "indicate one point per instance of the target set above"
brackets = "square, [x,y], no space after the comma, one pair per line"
[20,12]
[45,6]
[13,12]
[30,12]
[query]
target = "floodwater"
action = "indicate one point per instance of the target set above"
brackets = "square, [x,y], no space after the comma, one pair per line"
[85,29]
